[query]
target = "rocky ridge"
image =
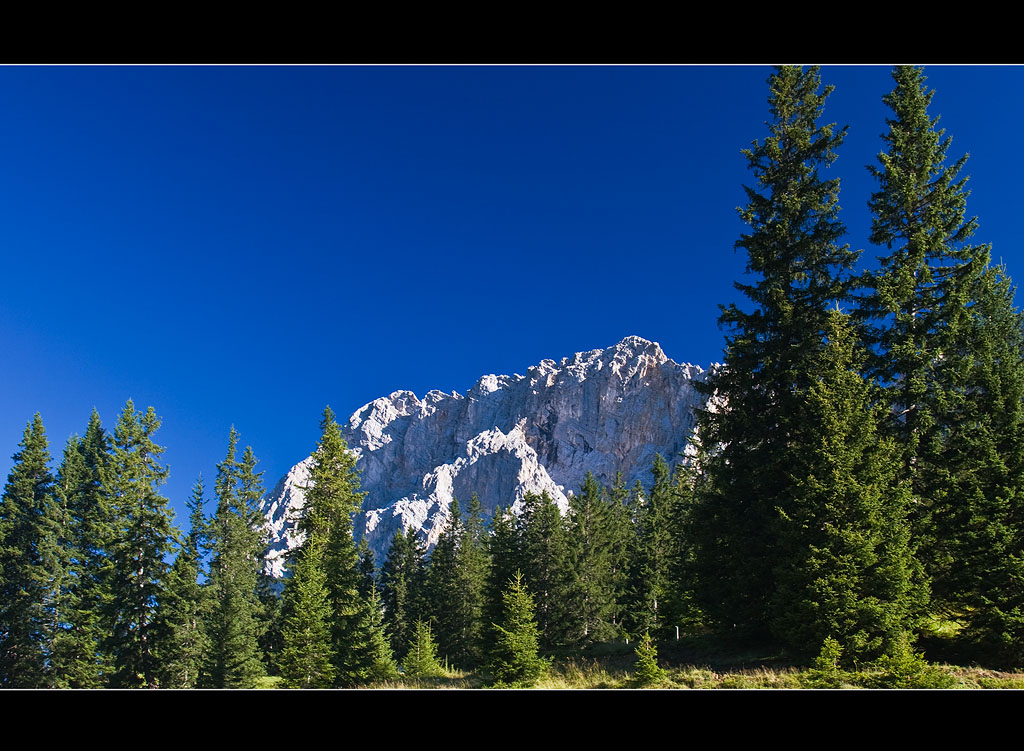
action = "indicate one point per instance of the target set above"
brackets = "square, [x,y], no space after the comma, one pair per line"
[604,411]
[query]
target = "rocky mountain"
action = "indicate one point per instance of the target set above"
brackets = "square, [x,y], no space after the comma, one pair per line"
[604,411]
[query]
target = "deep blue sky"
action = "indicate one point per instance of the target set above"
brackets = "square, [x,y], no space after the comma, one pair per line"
[243,245]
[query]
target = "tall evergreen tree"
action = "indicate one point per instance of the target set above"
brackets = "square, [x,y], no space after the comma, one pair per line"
[749,436]
[30,564]
[403,581]
[948,352]
[185,610]
[504,549]
[593,591]
[80,659]
[142,539]
[94,527]
[455,586]
[237,545]
[651,554]
[307,657]
[332,498]
[546,566]
[848,569]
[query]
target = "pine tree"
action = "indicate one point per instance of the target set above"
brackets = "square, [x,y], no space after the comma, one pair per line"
[307,657]
[648,672]
[421,656]
[750,434]
[237,544]
[474,565]
[455,585]
[332,498]
[382,660]
[984,496]
[142,539]
[593,590]
[186,644]
[30,565]
[504,549]
[917,306]
[650,554]
[948,348]
[94,526]
[848,569]
[443,584]
[515,659]
[72,658]
[80,658]
[546,566]
[403,580]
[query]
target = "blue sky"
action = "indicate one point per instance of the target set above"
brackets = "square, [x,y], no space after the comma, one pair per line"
[243,245]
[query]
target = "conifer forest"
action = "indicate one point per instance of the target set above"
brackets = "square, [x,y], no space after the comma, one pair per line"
[850,512]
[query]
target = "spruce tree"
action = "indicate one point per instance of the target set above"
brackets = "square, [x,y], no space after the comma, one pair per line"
[504,549]
[403,580]
[94,526]
[421,656]
[332,498]
[984,495]
[443,585]
[591,541]
[947,340]
[648,672]
[848,570]
[307,656]
[515,659]
[185,610]
[455,585]
[750,435]
[30,565]
[382,660]
[651,554]
[546,566]
[917,306]
[235,625]
[474,565]
[142,539]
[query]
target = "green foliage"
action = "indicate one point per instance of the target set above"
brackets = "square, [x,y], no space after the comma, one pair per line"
[904,668]
[750,435]
[504,549]
[307,656]
[593,564]
[31,567]
[455,586]
[403,585]
[237,541]
[515,659]
[648,672]
[848,569]
[332,498]
[826,672]
[142,539]
[382,661]
[545,561]
[651,554]
[185,644]
[421,657]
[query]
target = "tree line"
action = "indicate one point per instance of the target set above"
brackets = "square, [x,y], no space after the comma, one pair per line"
[856,478]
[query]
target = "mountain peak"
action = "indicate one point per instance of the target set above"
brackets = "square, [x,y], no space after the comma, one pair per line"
[604,411]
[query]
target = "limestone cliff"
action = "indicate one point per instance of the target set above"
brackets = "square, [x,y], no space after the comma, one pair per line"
[605,411]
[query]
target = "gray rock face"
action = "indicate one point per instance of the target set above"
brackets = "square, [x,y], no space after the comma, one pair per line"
[604,411]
